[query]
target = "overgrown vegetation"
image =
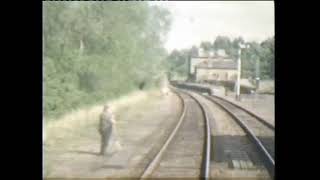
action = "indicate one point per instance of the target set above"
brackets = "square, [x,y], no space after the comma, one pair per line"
[95,51]
[263,52]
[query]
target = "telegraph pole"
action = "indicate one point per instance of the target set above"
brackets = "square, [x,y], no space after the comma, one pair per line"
[239,75]
[257,72]
[241,46]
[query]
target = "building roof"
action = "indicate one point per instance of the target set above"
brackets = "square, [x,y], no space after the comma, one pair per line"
[218,64]
[211,57]
[218,52]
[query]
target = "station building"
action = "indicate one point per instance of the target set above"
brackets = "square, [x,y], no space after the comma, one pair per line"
[212,67]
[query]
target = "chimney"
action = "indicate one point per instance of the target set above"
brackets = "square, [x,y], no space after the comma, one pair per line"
[221,53]
[211,54]
[201,53]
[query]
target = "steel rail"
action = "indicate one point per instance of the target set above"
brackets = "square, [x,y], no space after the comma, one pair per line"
[206,161]
[266,155]
[197,88]
[205,169]
[262,120]
[152,165]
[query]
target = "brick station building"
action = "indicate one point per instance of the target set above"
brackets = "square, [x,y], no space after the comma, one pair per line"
[213,68]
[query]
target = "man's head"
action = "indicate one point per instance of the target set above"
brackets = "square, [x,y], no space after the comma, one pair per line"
[106,107]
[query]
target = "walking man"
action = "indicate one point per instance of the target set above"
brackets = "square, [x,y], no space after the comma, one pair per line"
[106,128]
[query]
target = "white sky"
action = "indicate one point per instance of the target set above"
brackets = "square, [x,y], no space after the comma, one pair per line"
[196,21]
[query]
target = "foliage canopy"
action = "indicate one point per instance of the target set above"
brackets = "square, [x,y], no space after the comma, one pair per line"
[99,50]
[258,54]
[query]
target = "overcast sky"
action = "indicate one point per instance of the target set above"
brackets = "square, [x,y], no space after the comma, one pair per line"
[196,21]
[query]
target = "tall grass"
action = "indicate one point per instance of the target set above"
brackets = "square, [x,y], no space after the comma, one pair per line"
[71,124]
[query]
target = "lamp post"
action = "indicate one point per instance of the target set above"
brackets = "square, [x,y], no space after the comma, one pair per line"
[241,46]
[257,72]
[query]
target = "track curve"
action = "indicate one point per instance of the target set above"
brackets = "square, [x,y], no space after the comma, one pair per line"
[186,153]
[261,133]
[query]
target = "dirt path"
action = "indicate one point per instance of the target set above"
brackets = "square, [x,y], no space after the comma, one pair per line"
[142,123]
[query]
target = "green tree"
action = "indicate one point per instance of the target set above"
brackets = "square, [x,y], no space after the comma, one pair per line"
[94,51]
[222,42]
[267,57]
[233,52]
[206,46]
[194,51]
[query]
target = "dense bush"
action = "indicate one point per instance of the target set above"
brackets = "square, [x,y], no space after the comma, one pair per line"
[94,51]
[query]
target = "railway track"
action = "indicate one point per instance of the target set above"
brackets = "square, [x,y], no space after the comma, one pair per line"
[258,130]
[186,152]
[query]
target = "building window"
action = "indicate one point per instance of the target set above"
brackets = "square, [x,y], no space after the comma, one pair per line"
[214,75]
